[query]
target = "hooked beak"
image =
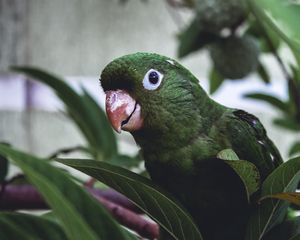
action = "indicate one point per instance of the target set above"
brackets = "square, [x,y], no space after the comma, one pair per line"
[124,113]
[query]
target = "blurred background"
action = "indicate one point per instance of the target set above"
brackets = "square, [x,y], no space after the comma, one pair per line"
[76,39]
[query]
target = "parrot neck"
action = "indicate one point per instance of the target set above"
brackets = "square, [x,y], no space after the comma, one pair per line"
[180,130]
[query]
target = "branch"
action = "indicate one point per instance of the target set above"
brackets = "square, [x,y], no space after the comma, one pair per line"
[16,197]
[115,197]
[26,197]
[131,220]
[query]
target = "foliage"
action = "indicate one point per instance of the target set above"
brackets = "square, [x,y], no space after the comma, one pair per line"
[247,171]
[84,111]
[87,115]
[151,199]
[25,226]
[75,214]
[79,215]
[272,212]
[268,23]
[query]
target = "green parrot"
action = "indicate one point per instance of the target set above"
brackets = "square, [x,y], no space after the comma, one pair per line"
[180,131]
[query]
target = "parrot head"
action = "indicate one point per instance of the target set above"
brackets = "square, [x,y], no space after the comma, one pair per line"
[151,96]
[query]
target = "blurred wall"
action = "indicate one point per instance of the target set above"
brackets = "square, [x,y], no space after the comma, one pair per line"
[75,37]
[78,38]
[13,32]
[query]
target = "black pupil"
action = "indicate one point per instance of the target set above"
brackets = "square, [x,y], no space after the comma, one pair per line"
[153,77]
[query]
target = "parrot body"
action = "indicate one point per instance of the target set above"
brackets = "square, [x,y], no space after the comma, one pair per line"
[180,131]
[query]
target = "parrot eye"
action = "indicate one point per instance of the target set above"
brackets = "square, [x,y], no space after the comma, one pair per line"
[152,79]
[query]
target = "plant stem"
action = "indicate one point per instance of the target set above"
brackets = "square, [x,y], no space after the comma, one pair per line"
[15,197]
[26,197]
[115,197]
[131,220]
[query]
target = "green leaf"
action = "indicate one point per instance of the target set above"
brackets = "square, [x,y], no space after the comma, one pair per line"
[295,237]
[68,150]
[293,197]
[271,212]
[289,230]
[82,217]
[192,39]
[227,154]
[215,81]
[277,103]
[3,168]
[295,148]
[126,161]
[100,126]
[50,215]
[288,14]
[88,116]
[262,72]
[296,74]
[294,91]
[246,170]
[265,45]
[258,7]
[287,123]
[152,200]
[23,226]
[265,35]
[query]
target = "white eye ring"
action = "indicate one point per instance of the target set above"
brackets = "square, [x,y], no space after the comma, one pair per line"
[152,79]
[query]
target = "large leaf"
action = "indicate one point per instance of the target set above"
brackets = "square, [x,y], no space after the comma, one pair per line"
[287,13]
[152,200]
[294,93]
[126,161]
[246,170]
[296,76]
[269,40]
[289,230]
[84,110]
[23,226]
[275,102]
[262,72]
[295,148]
[227,154]
[82,217]
[287,123]
[193,38]
[215,80]
[272,211]
[257,8]
[101,128]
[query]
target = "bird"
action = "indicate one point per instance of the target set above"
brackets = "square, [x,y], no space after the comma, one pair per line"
[180,131]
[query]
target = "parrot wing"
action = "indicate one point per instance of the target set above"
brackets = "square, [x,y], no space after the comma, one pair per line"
[248,138]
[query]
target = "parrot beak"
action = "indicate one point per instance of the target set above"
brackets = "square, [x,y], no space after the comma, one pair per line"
[123,112]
